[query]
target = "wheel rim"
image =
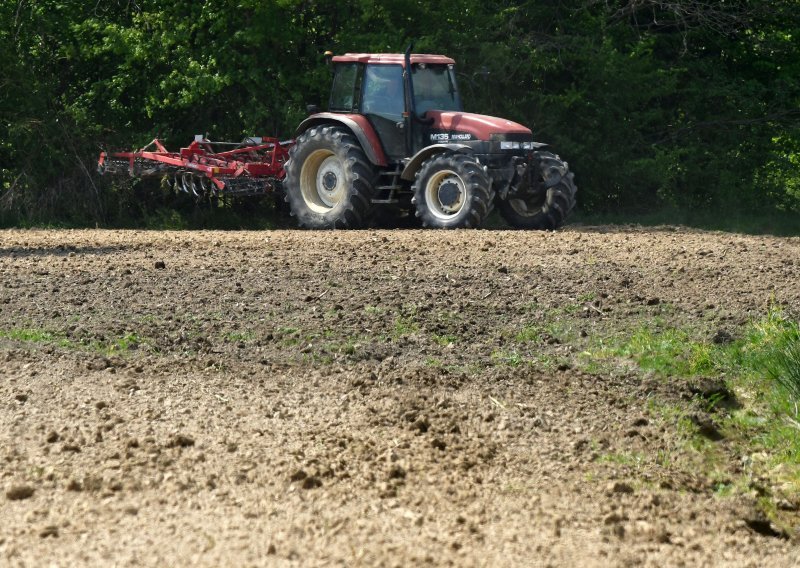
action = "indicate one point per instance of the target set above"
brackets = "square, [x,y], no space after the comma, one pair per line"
[322,181]
[529,202]
[526,207]
[445,194]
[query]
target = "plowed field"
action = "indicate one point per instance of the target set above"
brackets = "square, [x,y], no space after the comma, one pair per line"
[368,398]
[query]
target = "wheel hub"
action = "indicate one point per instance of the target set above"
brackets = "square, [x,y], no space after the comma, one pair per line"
[449,194]
[329,181]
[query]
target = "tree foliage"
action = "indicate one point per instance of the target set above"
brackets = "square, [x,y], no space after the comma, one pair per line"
[687,103]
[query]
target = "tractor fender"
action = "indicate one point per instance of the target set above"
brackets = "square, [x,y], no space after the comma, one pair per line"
[358,125]
[415,163]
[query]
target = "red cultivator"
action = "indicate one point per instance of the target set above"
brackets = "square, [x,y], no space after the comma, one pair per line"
[251,167]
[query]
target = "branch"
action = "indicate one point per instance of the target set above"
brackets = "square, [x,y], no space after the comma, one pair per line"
[793,115]
[725,18]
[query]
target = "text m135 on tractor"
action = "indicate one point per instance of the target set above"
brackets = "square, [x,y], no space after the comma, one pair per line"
[394,142]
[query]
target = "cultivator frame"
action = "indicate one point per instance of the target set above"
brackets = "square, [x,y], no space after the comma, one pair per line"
[251,167]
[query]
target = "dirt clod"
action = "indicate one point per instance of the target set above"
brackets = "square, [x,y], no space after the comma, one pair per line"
[298,475]
[311,482]
[706,427]
[180,441]
[421,425]
[619,487]
[396,472]
[49,531]
[19,492]
[722,337]
[765,528]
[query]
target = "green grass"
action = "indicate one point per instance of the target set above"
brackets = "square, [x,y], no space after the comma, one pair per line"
[529,334]
[512,358]
[670,352]
[29,335]
[404,326]
[111,346]
[632,459]
[126,342]
[288,336]
[444,340]
[783,360]
[765,360]
[762,369]
[237,336]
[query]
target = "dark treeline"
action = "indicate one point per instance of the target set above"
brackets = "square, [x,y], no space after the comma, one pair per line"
[685,104]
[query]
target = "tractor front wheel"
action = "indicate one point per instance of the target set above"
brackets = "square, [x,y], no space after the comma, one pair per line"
[546,203]
[452,191]
[329,181]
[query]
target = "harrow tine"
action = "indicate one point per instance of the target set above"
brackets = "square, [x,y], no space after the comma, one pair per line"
[186,182]
[193,182]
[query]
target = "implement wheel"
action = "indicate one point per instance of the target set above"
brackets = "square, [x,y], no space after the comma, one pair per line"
[329,181]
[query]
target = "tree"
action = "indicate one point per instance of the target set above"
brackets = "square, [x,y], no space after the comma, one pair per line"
[686,104]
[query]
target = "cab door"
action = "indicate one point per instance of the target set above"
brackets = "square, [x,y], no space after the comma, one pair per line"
[383,103]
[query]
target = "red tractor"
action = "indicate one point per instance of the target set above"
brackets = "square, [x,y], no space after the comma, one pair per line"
[396,137]
[393,140]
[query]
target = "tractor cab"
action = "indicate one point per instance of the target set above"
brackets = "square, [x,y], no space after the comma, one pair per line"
[376,87]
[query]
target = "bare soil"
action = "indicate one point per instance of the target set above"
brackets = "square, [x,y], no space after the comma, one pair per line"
[393,398]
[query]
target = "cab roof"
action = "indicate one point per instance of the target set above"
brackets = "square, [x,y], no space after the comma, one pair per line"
[392,58]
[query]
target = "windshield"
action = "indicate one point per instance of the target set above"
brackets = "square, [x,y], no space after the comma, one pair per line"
[435,88]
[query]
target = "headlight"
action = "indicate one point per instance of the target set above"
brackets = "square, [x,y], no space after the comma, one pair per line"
[505,145]
[527,145]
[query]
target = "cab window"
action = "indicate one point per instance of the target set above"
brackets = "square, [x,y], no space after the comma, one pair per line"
[383,91]
[344,87]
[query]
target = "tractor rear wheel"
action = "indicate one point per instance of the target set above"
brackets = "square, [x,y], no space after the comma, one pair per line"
[452,191]
[547,203]
[329,181]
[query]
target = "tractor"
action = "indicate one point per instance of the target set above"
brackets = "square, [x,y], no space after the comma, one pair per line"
[394,144]
[395,139]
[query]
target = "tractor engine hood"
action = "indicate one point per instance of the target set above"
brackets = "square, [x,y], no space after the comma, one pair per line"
[452,126]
